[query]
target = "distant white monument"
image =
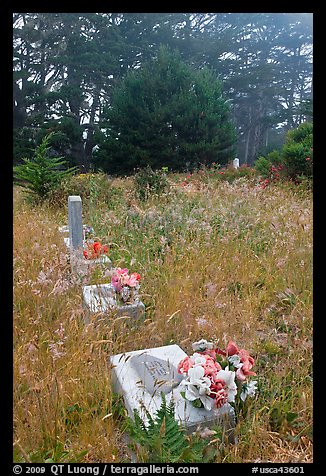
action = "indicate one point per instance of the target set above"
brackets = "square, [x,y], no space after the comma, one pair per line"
[236,163]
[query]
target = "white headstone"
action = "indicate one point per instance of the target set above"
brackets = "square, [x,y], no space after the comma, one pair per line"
[142,375]
[236,163]
[100,299]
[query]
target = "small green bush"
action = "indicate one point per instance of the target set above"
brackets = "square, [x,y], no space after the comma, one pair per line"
[263,166]
[149,182]
[41,174]
[295,158]
[92,187]
[297,152]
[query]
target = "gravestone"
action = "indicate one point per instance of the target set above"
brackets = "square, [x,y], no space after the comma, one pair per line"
[101,299]
[236,163]
[75,223]
[79,265]
[142,375]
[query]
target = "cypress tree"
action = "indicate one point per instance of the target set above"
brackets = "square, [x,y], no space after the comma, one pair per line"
[166,114]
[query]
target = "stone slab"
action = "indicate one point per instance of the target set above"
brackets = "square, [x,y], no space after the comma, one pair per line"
[64,229]
[83,267]
[141,387]
[100,298]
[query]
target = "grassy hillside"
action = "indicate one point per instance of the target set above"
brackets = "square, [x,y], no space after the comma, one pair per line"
[217,260]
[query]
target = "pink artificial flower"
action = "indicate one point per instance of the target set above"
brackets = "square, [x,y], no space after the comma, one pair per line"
[116,283]
[184,365]
[211,367]
[210,352]
[221,398]
[217,384]
[232,348]
[220,352]
[247,364]
[122,271]
[245,357]
[133,280]
[123,276]
[244,372]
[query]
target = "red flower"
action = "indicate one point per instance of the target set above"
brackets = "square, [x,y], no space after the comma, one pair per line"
[97,247]
[232,348]
[308,158]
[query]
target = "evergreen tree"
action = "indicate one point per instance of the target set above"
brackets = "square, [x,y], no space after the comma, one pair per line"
[42,173]
[166,114]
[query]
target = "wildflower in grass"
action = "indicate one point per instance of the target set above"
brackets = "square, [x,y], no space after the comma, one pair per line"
[55,351]
[202,322]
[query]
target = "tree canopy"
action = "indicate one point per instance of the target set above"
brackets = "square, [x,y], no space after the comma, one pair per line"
[66,66]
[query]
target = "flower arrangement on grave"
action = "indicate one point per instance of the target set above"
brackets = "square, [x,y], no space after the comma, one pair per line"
[126,285]
[213,377]
[94,250]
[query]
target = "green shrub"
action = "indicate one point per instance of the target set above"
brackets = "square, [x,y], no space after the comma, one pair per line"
[41,174]
[96,188]
[274,157]
[297,152]
[295,158]
[263,166]
[149,182]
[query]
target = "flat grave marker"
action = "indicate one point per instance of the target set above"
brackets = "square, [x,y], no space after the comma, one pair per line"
[100,299]
[142,375]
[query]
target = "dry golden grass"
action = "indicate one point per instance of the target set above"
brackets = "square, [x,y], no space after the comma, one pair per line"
[218,260]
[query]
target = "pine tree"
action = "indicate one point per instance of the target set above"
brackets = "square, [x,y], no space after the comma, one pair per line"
[166,114]
[42,173]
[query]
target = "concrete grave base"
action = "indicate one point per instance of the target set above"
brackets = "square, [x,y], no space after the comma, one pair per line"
[83,267]
[100,298]
[64,229]
[142,375]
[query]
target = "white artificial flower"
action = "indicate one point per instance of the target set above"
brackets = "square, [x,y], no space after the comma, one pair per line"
[198,359]
[235,361]
[228,377]
[196,375]
[194,392]
[198,387]
[202,345]
[248,390]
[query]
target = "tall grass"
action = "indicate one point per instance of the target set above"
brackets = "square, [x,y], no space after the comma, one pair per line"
[218,260]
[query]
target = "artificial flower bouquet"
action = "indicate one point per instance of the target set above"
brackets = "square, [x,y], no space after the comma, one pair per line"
[94,250]
[213,377]
[126,285]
